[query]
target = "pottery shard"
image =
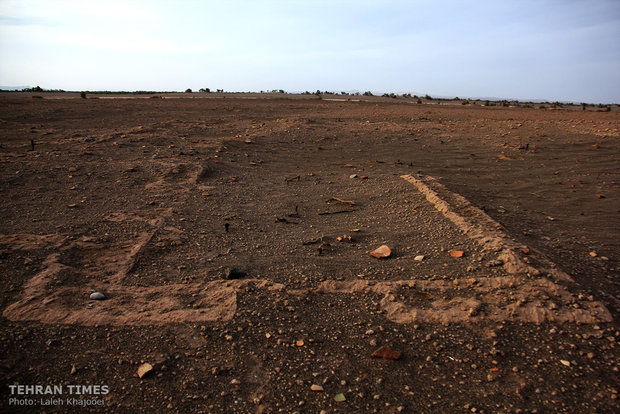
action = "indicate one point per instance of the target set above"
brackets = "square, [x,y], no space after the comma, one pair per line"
[456,253]
[144,369]
[385,352]
[382,252]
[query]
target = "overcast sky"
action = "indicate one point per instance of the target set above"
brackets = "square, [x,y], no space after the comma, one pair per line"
[554,50]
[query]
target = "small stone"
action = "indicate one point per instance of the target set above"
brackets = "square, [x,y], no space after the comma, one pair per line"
[419,258]
[385,352]
[144,369]
[565,362]
[235,382]
[315,387]
[73,369]
[97,296]
[593,254]
[457,253]
[340,397]
[383,252]
[353,176]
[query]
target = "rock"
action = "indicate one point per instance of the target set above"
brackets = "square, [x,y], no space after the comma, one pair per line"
[385,352]
[97,296]
[235,382]
[340,397]
[234,273]
[383,252]
[456,253]
[144,369]
[315,387]
[353,176]
[419,258]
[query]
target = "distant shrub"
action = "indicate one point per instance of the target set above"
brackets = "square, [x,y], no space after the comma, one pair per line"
[207,90]
[35,89]
[188,90]
[419,101]
[464,102]
[83,95]
[368,93]
[428,97]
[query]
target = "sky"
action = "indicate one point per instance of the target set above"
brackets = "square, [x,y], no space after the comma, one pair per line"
[511,49]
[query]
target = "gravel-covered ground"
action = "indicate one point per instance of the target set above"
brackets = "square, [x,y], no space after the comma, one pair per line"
[154,201]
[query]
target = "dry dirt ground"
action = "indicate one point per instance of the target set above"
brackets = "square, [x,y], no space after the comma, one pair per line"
[153,201]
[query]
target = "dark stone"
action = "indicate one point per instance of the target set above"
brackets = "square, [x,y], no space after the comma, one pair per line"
[234,273]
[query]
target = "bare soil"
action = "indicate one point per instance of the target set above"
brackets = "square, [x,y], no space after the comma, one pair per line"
[152,201]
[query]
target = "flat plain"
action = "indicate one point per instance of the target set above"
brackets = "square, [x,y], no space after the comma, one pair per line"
[231,235]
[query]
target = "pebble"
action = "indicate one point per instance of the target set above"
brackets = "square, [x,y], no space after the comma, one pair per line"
[419,258]
[315,387]
[97,296]
[144,369]
[353,176]
[385,352]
